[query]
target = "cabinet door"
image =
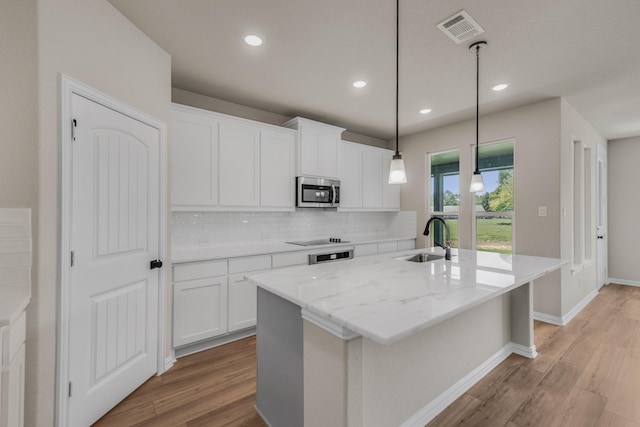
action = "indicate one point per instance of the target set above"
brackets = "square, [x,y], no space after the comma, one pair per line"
[351,176]
[277,169]
[199,310]
[242,302]
[310,140]
[371,178]
[390,192]
[329,155]
[239,164]
[194,157]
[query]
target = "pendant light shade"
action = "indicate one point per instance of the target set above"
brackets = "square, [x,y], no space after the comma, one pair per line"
[397,175]
[477,185]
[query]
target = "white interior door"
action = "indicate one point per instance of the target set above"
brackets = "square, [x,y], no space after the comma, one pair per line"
[601,229]
[113,293]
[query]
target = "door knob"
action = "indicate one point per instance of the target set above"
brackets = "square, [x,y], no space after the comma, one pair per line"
[155,264]
[600,237]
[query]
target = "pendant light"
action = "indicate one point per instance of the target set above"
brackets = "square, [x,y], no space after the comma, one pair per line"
[476,180]
[397,174]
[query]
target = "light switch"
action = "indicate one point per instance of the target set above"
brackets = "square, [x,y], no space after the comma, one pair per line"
[542,211]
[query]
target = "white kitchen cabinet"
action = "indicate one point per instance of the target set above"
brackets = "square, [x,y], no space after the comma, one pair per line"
[365,249]
[277,168]
[371,178]
[351,177]
[226,163]
[318,148]
[199,301]
[194,159]
[12,363]
[200,310]
[239,164]
[364,179]
[242,303]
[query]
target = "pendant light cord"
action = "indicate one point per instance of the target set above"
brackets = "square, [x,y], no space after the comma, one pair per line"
[477,103]
[397,69]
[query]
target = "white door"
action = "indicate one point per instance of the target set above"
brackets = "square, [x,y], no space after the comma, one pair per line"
[601,215]
[113,293]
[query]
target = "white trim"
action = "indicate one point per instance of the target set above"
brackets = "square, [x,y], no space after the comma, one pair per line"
[332,328]
[623,282]
[564,320]
[169,361]
[262,416]
[547,318]
[440,403]
[207,344]
[524,351]
[66,88]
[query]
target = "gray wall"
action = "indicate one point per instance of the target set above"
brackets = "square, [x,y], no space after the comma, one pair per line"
[624,205]
[536,131]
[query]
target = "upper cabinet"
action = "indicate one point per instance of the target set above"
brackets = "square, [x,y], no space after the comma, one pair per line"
[318,148]
[364,179]
[220,162]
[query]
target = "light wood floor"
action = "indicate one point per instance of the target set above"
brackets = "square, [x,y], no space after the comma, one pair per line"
[587,374]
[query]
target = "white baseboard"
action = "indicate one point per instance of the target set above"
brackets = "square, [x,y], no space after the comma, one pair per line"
[529,352]
[547,318]
[213,342]
[623,282]
[564,320]
[440,403]
[169,361]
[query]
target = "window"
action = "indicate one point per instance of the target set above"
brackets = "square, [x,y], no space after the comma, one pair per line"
[494,207]
[445,193]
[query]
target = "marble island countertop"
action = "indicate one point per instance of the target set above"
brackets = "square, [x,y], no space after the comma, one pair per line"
[250,248]
[385,298]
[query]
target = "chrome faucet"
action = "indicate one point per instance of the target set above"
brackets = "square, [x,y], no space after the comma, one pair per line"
[447,242]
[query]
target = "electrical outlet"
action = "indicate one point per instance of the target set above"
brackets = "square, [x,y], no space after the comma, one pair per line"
[542,211]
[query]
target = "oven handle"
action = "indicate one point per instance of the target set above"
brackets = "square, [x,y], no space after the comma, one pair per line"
[333,194]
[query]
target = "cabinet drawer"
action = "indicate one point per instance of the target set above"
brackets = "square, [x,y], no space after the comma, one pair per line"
[254,263]
[366,249]
[13,338]
[199,270]
[404,245]
[290,258]
[387,247]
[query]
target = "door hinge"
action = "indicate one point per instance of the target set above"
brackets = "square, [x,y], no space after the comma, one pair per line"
[73,256]
[69,388]
[74,125]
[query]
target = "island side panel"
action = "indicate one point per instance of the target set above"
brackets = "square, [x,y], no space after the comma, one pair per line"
[279,346]
[522,320]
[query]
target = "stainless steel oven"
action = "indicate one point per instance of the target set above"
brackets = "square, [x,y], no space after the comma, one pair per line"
[317,192]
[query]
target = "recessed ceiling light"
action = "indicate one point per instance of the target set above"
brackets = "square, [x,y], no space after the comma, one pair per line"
[425,111]
[359,84]
[500,87]
[253,40]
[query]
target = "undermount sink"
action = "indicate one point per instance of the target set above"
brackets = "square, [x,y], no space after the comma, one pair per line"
[422,257]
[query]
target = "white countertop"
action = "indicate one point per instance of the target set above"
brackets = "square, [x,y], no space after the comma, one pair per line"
[386,299]
[13,301]
[250,248]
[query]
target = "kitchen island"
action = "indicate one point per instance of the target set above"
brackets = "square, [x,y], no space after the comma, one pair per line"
[385,341]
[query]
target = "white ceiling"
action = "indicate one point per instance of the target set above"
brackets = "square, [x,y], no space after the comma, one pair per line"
[583,50]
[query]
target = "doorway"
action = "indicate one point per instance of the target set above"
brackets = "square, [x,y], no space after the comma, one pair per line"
[601,216]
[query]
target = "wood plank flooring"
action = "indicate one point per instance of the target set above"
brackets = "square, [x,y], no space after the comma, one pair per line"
[587,374]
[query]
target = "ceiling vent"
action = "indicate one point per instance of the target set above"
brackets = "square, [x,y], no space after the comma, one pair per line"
[460,27]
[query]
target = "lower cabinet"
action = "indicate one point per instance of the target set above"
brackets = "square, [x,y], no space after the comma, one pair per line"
[242,303]
[200,310]
[12,358]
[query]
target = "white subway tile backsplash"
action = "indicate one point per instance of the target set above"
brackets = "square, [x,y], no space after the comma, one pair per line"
[202,228]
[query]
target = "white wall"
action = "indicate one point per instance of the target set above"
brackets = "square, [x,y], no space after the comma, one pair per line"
[576,285]
[624,205]
[93,43]
[536,131]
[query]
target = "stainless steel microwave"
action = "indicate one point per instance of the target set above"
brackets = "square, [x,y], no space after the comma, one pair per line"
[317,192]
